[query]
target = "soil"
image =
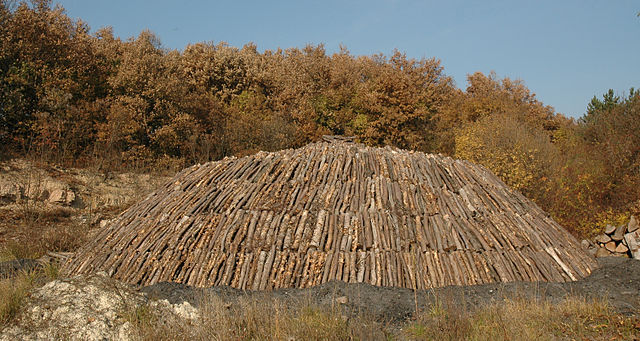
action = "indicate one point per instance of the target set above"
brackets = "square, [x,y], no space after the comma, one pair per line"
[617,280]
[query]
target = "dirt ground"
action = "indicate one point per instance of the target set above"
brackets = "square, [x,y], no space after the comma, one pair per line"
[617,280]
[98,198]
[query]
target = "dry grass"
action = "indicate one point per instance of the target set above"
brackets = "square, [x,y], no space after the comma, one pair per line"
[574,318]
[34,232]
[12,294]
[271,319]
[13,291]
[258,319]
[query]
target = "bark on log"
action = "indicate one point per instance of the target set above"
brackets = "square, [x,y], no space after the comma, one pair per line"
[303,217]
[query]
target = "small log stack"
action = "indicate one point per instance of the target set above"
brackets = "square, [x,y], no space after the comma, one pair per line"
[334,210]
[623,240]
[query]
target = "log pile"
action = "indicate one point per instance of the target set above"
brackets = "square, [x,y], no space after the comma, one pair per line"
[334,211]
[338,138]
[623,240]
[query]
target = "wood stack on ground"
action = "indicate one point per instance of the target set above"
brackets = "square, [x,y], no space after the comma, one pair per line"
[623,240]
[334,211]
[338,138]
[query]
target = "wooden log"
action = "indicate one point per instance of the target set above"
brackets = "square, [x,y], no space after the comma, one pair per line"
[361,266]
[618,234]
[267,268]
[609,229]
[212,223]
[353,270]
[317,232]
[633,242]
[633,225]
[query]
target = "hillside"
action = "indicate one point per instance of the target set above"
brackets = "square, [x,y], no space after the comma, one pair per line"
[41,303]
[81,99]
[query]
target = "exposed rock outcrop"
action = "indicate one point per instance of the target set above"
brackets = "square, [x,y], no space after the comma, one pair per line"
[92,307]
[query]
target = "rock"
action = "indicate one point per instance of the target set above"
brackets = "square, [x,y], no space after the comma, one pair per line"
[633,225]
[76,309]
[602,252]
[342,300]
[603,239]
[91,307]
[61,196]
[183,310]
[609,229]
[611,246]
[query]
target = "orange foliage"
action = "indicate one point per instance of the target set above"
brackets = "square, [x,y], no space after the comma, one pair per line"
[72,97]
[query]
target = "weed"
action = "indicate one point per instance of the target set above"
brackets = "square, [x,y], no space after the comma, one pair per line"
[261,317]
[528,319]
[13,291]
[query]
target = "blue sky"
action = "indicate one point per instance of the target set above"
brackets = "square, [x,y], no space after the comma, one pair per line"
[566,51]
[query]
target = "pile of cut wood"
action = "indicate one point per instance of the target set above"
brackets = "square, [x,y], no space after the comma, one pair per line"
[623,240]
[334,211]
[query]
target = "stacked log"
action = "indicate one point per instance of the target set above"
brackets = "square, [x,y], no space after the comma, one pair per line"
[338,138]
[623,240]
[334,211]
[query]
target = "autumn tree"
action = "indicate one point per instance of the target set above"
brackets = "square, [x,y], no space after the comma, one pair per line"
[48,68]
[487,95]
[610,128]
[69,96]
[400,100]
[524,158]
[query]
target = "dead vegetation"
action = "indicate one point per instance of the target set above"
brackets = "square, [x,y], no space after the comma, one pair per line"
[14,290]
[37,230]
[575,318]
[46,208]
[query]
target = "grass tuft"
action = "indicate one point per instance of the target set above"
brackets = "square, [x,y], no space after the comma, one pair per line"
[273,319]
[529,319]
[15,290]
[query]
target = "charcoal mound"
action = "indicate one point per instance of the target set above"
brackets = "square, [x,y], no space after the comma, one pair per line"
[329,211]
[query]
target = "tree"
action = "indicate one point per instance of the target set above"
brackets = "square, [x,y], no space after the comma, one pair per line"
[524,158]
[597,106]
[400,100]
[485,96]
[47,66]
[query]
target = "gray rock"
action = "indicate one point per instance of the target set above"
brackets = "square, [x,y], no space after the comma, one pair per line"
[85,308]
[342,300]
[633,243]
